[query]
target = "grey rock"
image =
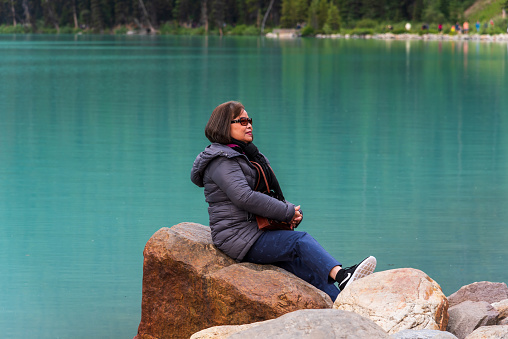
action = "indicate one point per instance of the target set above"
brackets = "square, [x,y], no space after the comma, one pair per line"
[490,292]
[422,334]
[222,332]
[469,315]
[315,324]
[489,332]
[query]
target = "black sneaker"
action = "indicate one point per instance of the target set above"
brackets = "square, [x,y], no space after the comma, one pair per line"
[349,274]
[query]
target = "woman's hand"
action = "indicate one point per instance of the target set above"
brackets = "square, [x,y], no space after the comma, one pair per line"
[297,218]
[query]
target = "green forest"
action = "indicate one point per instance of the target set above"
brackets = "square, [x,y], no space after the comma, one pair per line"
[241,17]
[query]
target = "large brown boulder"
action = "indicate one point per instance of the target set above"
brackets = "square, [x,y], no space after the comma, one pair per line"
[189,285]
[490,292]
[396,300]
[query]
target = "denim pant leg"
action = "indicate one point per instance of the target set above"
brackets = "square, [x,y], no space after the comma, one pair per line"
[298,253]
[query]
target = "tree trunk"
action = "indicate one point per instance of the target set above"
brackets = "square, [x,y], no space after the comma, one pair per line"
[147,17]
[266,15]
[13,13]
[97,18]
[26,12]
[74,15]
[204,15]
[52,16]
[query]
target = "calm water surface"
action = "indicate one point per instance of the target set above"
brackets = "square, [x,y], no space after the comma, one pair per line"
[395,149]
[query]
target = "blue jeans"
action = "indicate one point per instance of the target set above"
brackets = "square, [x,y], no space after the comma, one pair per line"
[298,253]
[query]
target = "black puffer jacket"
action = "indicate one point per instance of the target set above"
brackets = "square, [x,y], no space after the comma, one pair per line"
[229,179]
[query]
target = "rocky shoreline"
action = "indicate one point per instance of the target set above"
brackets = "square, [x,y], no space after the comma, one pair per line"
[191,289]
[405,36]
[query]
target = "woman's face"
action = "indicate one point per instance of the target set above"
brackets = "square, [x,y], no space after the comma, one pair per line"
[239,132]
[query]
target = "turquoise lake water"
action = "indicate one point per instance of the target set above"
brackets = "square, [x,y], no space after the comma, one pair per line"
[394,149]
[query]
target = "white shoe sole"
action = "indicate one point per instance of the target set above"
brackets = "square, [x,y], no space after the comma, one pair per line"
[365,268]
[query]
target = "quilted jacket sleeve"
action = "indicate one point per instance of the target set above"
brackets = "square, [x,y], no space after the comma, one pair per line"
[229,177]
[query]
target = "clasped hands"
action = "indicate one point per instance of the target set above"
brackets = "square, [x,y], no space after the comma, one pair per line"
[297,218]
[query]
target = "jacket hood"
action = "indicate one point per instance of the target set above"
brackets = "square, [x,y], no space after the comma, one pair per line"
[204,158]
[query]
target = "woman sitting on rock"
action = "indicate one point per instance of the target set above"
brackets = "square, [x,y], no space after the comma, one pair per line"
[229,178]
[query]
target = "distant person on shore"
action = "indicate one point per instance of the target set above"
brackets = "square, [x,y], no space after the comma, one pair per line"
[457,27]
[228,170]
[491,23]
[478,26]
[452,29]
[465,27]
[440,28]
[408,26]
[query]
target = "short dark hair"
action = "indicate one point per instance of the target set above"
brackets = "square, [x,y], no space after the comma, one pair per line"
[218,128]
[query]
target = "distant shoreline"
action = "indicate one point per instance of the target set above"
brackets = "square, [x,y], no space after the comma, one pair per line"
[292,34]
[403,37]
[429,37]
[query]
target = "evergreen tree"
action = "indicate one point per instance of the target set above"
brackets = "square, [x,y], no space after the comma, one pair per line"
[50,15]
[313,15]
[391,11]
[104,14]
[252,11]
[444,7]
[374,9]
[231,13]
[65,17]
[404,9]
[218,13]
[187,11]
[333,20]
[356,9]
[108,13]
[322,13]
[454,15]
[288,16]
[418,10]
[97,19]
[301,10]
[121,12]
[241,8]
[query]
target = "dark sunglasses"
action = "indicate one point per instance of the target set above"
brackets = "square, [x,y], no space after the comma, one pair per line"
[243,121]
